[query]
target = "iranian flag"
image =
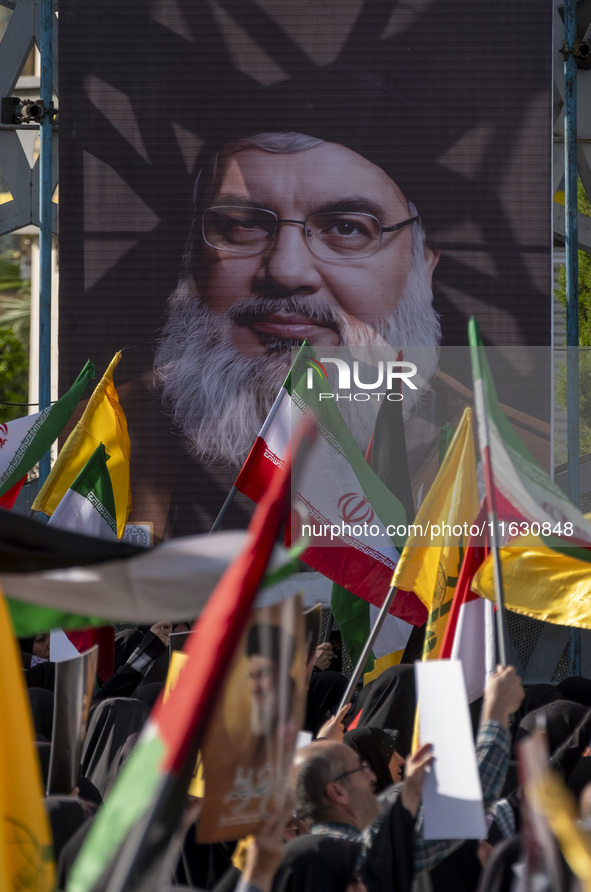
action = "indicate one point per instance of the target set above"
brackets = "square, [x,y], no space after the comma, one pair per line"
[89,506]
[26,440]
[345,506]
[545,562]
[525,497]
[270,447]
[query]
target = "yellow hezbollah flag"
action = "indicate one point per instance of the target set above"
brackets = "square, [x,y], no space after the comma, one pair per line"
[430,562]
[541,582]
[26,859]
[103,421]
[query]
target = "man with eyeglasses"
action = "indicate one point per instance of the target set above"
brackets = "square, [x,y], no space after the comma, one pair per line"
[294,236]
[355,833]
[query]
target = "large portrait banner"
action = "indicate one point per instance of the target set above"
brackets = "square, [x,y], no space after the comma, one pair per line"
[236,177]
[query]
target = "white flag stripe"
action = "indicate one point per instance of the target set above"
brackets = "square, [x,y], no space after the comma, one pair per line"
[327,477]
[174,579]
[83,515]
[393,636]
[474,644]
[524,484]
[15,438]
[277,435]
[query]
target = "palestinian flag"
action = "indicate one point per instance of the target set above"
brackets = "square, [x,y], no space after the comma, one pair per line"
[26,440]
[132,829]
[75,582]
[88,506]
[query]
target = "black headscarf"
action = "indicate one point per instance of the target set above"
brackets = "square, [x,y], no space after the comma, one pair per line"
[389,702]
[576,688]
[112,723]
[41,702]
[376,746]
[561,718]
[66,815]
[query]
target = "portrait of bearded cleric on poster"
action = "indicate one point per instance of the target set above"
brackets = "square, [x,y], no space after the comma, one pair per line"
[294,236]
[290,116]
[313,226]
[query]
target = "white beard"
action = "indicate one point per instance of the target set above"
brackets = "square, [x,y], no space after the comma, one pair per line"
[264,716]
[219,398]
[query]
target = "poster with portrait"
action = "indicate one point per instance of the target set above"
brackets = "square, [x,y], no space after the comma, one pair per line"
[251,737]
[236,176]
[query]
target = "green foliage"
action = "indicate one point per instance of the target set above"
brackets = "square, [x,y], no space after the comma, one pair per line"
[584,399]
[583,202]
[584,207]
[584,296]
[14,375]
[15,297]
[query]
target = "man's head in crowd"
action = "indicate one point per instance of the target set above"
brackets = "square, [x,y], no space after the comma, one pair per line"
[293,238]
[332,783]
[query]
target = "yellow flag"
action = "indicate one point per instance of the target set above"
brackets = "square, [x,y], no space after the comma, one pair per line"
[559,808]
[381,664]
[26,859]
[430,562]
[104,422]
[541,582]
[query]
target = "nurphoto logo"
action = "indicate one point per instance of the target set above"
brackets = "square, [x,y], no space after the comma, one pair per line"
[389,374]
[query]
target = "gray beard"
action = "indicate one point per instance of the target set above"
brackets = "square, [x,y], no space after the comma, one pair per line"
[219,399]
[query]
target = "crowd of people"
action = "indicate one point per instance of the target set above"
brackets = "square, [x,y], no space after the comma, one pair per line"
[352,816]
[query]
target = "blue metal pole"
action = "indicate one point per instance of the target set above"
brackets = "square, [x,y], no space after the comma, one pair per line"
[572,280]
[45,217]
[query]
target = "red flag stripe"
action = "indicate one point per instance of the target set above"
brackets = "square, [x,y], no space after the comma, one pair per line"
[11,495]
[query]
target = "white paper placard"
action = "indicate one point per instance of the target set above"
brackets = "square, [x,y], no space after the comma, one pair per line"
[304,738]
[452,793]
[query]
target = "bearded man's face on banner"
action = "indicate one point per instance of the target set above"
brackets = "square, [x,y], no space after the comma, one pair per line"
[335,269]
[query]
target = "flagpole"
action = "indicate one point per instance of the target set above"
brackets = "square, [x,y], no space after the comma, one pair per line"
[223,509]
[491,509]
[384,610]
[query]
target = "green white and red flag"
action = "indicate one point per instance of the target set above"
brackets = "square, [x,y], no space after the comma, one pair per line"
[26,440]
[339,492]
[88,506]
[525,498]
[132,829]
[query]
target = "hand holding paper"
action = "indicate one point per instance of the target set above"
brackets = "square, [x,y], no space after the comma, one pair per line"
[414,776]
